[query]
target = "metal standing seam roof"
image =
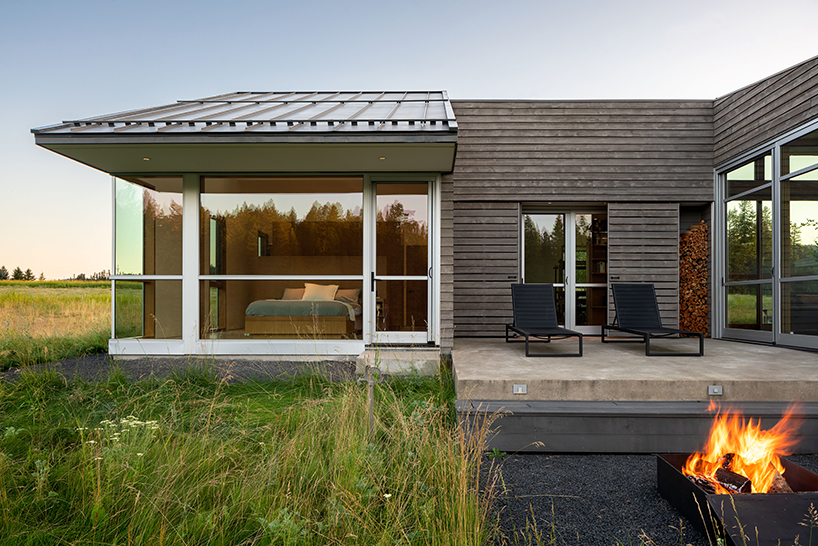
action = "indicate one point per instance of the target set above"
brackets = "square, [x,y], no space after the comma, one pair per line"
[278,112]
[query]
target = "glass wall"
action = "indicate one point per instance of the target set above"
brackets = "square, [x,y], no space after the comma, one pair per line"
[148,258]
[148,309]
[799,236]
[148,229]
[302,237]
[771,244]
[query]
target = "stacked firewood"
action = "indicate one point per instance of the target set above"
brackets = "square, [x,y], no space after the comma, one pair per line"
[693,308]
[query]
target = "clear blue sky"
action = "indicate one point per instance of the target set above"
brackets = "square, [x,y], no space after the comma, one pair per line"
[73,59]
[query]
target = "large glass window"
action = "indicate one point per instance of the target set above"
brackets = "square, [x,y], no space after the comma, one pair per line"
[771,245]
[148,245]
[800,307]
[282,309]
[801,153]
[307,232]
[282,226]
[799,225]
[749,237]
[148,228]
[750,175]
[750,307]
[148,309]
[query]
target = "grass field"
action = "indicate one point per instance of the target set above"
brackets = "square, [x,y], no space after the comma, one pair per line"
[45,321]
[192,460]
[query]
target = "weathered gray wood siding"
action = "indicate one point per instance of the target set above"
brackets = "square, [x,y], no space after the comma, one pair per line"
[584,151]
[486,262]
[446,264]
[643,246]
[764,110]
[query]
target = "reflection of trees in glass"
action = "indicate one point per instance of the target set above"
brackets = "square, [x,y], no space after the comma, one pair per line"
[326,230]
[148,231]
[743,228]
[800,256]
[544,251]
[402,240]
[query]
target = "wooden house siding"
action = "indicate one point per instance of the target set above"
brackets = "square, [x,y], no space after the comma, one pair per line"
[446,264]
[643,246]
[584,151]
[486,263]
[758,113]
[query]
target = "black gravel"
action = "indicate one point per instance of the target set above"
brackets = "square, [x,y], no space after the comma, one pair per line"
[593,500]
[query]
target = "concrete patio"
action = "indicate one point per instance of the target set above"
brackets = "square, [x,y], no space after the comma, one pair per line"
[616,399]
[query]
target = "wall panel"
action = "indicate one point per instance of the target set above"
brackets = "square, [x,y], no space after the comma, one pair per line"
[643,246]
[486,263]
[764,110]
[584,151]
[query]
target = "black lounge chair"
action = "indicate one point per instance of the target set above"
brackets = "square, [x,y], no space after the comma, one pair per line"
[535,316]
[637,313]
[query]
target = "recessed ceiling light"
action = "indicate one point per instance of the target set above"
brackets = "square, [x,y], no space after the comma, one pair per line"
[382,158]
[146,159]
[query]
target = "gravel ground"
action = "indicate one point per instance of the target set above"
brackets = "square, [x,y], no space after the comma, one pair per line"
[96,367]
[590,499]
[595,499]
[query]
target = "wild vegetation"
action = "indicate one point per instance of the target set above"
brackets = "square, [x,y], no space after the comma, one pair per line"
[193,460]
[43,321]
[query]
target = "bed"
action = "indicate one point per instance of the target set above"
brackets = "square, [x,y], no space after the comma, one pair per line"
[325,312]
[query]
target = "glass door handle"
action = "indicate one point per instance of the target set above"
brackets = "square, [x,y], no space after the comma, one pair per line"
[373,281]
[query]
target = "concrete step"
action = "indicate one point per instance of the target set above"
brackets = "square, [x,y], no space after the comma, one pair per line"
[617,427]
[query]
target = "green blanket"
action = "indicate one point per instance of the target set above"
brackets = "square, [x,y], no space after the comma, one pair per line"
[300,308]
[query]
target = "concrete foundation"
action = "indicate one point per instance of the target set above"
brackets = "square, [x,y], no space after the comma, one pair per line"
[617,400]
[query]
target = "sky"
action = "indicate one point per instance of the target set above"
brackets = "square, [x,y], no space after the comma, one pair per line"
[64,60]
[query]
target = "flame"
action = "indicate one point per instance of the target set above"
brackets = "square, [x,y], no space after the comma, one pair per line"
[755,452]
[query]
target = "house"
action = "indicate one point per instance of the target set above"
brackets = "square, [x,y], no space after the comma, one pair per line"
[304,223]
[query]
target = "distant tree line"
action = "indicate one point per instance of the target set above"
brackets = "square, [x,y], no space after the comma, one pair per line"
[18,274]
[28,275]
[98,276]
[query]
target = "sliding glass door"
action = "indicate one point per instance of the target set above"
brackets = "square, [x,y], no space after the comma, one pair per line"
[570,251]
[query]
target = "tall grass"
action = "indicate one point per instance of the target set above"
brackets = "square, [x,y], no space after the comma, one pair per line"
[44,323]
[196,461]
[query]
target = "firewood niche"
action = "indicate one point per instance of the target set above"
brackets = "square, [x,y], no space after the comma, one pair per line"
[693,273]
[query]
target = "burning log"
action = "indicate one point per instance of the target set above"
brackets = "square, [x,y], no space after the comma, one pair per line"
[779,484]
[732,481]
[703,483]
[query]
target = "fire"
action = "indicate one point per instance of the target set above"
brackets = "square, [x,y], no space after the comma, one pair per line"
[742,447]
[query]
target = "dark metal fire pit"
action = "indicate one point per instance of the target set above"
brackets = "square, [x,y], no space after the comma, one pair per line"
[766,519]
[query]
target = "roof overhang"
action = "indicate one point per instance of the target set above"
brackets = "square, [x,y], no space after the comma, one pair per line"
[244,132]
[224,156]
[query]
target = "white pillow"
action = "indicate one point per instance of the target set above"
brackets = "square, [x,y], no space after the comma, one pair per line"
[348,295]
[293,294]
[319,292]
